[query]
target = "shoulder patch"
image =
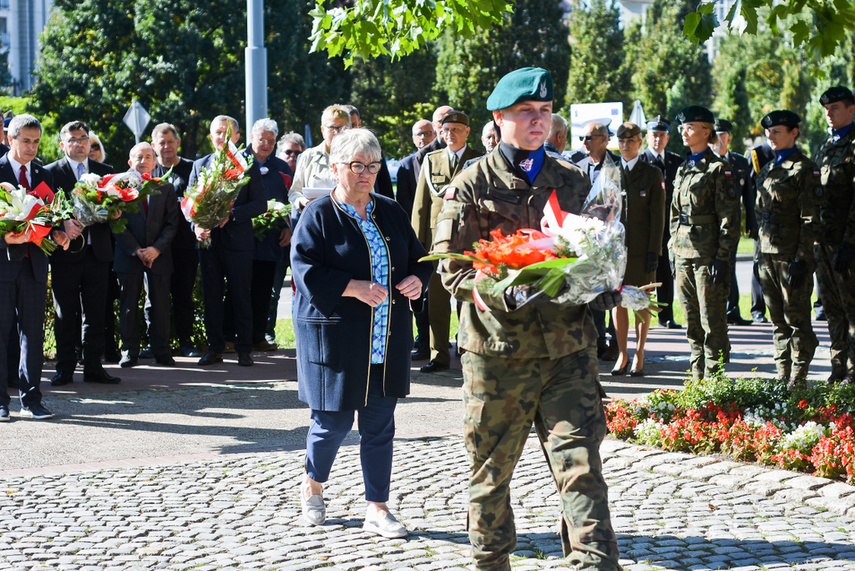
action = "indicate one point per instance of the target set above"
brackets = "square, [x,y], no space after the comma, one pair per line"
[816,174]
[818,191]
[450,193]
[663,185]
[728,174]
[731,192]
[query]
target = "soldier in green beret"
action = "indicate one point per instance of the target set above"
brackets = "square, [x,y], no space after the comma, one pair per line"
[835,242]
[788,192]
[704,229]
[525,363]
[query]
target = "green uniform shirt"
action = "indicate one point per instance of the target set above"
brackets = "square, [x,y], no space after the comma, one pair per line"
[837,170]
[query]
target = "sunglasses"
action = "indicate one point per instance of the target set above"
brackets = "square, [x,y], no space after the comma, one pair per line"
[291,152]
[95,147]
[588,137]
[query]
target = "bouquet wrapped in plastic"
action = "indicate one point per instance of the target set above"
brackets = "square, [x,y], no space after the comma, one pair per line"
[572,258]
[99,199]
[275,218]
[209,202]
[37,212]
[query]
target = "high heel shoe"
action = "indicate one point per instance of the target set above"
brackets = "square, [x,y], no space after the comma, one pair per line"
[620,372]
[636,373]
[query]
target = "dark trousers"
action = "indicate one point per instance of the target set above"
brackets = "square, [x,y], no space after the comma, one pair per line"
[758,303]
[22,300]
[157,312]
[261,290]
[185,263]
[665,292]
[278,283]
[80,286]
[219,266]
[733,295]
[423,324]
[376,423]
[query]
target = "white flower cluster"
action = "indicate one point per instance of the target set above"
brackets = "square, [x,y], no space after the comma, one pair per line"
[803,438]
[757,417]
[19,205]
[647,432]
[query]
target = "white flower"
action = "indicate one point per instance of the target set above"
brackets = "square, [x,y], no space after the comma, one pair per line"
[90,179]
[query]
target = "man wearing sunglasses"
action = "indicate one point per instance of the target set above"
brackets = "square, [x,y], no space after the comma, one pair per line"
[438,169]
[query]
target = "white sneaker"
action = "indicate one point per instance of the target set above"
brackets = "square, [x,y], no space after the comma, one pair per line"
[314,510]
[385,525]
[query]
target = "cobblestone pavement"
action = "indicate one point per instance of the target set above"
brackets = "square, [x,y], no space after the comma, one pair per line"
[241,511]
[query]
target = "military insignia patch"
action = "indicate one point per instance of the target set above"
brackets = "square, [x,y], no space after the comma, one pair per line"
[663,185]
[527,164]
[818,191]
[543,89]
[816,174]
[728,174]
[450,192]
[731,192]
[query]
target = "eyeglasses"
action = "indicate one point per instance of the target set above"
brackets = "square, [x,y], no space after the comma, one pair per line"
[95,147]
[356,167]
[291,152]
[335,129]
[687,128]
[589,137]
[80,141]
[424,134]
[267,141]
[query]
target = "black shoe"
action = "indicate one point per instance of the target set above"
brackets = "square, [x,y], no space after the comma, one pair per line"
[146,353]
[4,413]
[849,379]
[820,313]
[128,361]
[420,354]
[190,351]
[245,359]
[636,372]
[738,321]
[620,372]
[101,377]
[433,367]
[61,379]
[210,358]
[759,317]
[112,357]
[36,412]
[612,353]
[801,384]
[165,360]
[674,325]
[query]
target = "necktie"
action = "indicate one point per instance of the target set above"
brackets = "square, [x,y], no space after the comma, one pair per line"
[23,178]
[79,171]
[453,161]
[145,206]
[659,162]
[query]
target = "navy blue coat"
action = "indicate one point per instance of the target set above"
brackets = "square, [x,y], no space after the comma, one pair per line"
[334,332]
[274,188]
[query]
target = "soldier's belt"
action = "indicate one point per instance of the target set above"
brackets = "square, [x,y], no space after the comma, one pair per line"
[687,220]
[779,220]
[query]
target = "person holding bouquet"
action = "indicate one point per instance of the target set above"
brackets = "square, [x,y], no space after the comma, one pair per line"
[23,275]
[528,359]
[643,216]
[704,221]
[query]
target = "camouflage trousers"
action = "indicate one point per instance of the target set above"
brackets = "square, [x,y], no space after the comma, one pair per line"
[789,309]
[838,299]
[704,306]
[563,398]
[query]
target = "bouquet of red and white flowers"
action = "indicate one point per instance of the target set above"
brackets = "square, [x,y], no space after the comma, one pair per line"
[209,203]
[275,218]
[101,199]
[572,258]
[37,212]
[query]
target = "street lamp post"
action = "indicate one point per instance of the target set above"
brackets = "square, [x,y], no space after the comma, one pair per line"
[256,64]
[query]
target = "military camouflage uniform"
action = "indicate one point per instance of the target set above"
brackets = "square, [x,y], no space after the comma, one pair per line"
[536,364]
[704,227]
[837,224]
[787,213]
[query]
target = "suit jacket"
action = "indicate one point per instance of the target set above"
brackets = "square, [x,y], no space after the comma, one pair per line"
[383,182]
[250,202]
[16,256]
[98,236]
[184,237]
[407,182]
[434,145]
[436,175]
[643,214]
[156,228]
[672,163]
[744,183]
[273,168]
[593,171]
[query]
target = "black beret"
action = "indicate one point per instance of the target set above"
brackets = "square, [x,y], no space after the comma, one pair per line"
[455,117]
[658,124]
[723,126]
[835,94]
[525,84]
[628,130]
[781,117]
[695,113]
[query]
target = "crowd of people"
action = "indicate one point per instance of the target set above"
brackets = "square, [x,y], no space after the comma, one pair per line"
[359,279]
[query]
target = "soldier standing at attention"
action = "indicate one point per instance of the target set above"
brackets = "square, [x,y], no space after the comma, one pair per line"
[835,243]
[533,363]
[788,191]
[704,230]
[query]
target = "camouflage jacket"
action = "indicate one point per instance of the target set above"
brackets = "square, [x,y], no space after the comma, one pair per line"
[787,207]
[487,196]
[837,209]
[704,210]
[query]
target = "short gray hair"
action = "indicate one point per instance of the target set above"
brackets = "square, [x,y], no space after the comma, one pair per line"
[223,119]
[22,121]
[266,124]
[351,142]
[294,138]
[558,125]
[144,145]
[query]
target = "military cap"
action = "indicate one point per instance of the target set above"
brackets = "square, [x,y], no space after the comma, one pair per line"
[525,84]
[723,126]
[628,130]
[455,117]
[781,117]
[695,113]
[658,124]
[835,94]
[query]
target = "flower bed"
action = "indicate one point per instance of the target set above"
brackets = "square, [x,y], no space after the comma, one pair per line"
[753,420]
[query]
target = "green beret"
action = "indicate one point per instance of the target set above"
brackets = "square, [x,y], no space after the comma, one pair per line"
[835,94]
[455,117]
[628,130]
[782,117]
[695,113]
[723,126]
[526,84]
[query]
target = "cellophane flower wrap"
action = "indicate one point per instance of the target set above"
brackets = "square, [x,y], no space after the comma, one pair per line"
[99,198]
[275,218]
[573,258]
[209,202]
[38,211]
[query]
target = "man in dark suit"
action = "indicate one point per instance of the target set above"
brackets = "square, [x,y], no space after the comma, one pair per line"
[23,275]
[144,254]
[80,274]
[437,143]
[744,183]
[423,134]
[668,163]
[229,257]
[185,259]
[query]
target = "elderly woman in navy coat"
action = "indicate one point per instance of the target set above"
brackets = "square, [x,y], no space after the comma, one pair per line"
[354,261]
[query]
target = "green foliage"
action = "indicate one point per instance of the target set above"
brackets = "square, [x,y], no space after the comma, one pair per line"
[817,27]
[468,67]
[395,28]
